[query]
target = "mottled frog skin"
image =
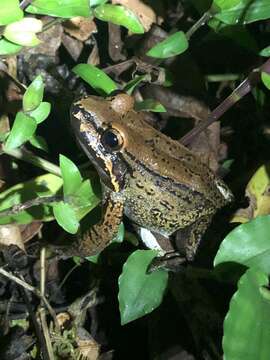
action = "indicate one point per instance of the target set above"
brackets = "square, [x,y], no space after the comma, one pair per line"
[155,181]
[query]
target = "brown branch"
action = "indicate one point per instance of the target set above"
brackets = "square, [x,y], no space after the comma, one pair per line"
[243,89]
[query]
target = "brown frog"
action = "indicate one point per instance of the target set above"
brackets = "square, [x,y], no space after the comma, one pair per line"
[155,181]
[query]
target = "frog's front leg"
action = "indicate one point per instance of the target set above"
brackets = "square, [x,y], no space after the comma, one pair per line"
[189,238]
[95,239]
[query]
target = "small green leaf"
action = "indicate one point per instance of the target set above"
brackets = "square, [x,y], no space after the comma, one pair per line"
[248,244]
[45,185]
[60,8]
[85,198]
[23,32]
[139,292]
[266,79]
[8,48]
[149,105]
[10,11]
[131,85]
[41,112]
[72,179]
[95,78]
[119,15]
[22,130]
[265,52]
[246,326]
[39,142]
[34,94]
[66,217]
[175,44]
[245,12]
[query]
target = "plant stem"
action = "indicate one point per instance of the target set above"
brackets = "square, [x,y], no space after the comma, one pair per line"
[25,3]
[33,159]
[243,89]
[204,18]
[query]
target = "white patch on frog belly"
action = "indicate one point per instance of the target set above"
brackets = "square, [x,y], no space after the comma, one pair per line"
[150,241]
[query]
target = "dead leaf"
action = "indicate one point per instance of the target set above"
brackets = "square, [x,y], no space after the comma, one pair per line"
[258,193]
[80,28]
[144,12]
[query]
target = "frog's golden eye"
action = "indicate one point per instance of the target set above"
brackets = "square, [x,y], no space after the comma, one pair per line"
[112,140]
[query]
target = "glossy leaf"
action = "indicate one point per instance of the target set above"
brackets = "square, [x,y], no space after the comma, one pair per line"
[39,142]
[245,12]
[265,52]
[10,11]
[248,244]
[8,48]
[266,79]
[226,4]
[60,8]
[131,85]
[97,2]
[175,44]
[23,32]
[149,105]
[41,112]
[139,292]
[42,186]
[119,15]
[34,94]
[66,217]
[246,326]
[22,130]
[72,179]
[95,78]
[85,198]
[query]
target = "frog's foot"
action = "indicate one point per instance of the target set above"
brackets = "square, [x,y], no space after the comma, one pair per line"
[171,261]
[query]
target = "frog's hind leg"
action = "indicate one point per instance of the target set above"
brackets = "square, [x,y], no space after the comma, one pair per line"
[189,238]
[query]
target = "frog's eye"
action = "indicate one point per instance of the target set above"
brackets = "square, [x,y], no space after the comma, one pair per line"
[112,139]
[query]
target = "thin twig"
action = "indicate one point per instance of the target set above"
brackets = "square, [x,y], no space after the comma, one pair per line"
[243,89]
[25,3]
[16,209]
[24,155]
[51,23]
[31,288]
[204,18]
[42,312]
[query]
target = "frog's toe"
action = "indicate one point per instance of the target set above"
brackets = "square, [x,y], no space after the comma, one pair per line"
[172,261]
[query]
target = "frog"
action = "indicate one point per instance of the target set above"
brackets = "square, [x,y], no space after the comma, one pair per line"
[156,182]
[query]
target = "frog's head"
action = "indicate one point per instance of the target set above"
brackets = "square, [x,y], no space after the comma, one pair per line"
[94,121]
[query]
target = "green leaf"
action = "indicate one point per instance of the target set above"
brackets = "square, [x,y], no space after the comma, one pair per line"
[149,105]
[72,179]
[85,198]
[265,52]
[10,11]
[45,185]
[266,79]
[22,130]
[139,292]
[60,8]
[8,48]
[226,4]
[95,78]
[34,94]
[97,2]
[175,44]
[41,112]
[132,84]
[248,244]
[119,15]
[245,12]
[23,32]
[66,217]
[246,326]
[39,142]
